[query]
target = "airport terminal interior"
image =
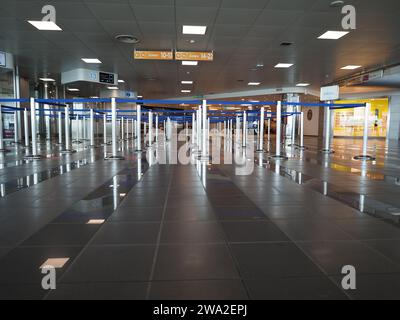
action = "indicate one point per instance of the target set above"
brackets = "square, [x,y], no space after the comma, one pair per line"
[199,150]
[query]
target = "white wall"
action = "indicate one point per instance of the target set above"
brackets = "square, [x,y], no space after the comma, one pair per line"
[311,127]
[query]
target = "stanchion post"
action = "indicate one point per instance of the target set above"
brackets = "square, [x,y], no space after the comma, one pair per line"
[26,128]
[150,129]
[60,136]
[365,156]
[205,131]
[114,155]
[1,132]
[16,128]
[244,129]
[114,126]
[92,142]
[301,146]
[261,131]
[105,129]
[67,146]
[157,124]
[278,154]
[328,127]
[34,155]
[139,128]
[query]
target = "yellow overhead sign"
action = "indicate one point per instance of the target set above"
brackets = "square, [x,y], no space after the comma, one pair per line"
[194,56]
[154,55]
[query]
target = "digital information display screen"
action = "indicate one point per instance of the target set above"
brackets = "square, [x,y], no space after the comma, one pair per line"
[107,78]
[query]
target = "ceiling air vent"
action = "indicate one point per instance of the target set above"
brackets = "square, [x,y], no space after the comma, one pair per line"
[125,38]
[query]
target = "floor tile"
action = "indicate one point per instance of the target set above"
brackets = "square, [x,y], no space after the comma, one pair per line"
[190,214]
[22,265]
[112,264]
[317,288]
[150,214]
[253,231]
[127,233]
[311,230]
[375,287]
[100,291]
[273,260]
[192,232]
[195,262]
[333,256]
[63,235]
[198,290]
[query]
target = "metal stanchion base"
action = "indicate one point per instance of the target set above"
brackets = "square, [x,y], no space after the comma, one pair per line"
[326,151]
[364,158]
[302,148]
[260,151]
[114,158]
[278,157]
[66,152]
[32,157]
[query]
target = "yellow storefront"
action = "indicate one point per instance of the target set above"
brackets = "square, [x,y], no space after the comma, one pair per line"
[350,122]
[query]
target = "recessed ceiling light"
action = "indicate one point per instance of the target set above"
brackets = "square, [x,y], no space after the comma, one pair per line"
[94,97]
[112,88]
[351,67]
[121,81]
[47,80]
[197,30]
[302,85]
[91,61]
[57,263]
[260,65]
[186,91]
[96,221]
[140,97]
[254,83]
[187,82]
[45,25]
[336,4]
[333,35]
[284,65]
[73,89]
[190,63]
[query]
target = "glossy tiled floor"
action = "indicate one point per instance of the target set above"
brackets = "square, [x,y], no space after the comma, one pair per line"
[130,231]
